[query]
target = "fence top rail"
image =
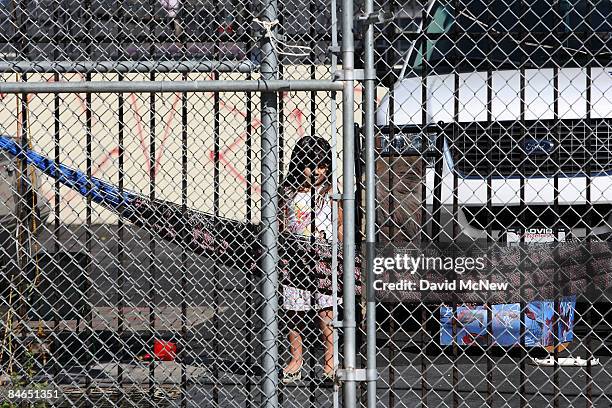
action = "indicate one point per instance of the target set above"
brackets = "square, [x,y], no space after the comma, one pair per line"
[169,86]
[127,66]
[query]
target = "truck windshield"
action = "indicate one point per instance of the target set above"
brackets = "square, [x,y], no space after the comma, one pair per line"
[508,34]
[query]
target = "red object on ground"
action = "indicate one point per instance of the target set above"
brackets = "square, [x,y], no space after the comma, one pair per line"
[164,350]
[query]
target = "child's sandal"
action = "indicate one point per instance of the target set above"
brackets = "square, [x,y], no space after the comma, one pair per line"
[289,378]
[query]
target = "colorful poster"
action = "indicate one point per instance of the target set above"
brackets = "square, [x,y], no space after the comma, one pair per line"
[471,323]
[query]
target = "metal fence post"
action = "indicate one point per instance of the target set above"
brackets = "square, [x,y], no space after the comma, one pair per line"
[370,204]
[348,199]
[269,208]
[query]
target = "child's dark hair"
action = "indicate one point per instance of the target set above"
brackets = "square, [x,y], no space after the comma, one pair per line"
[309,152]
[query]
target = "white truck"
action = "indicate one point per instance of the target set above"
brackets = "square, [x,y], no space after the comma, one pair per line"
[522,91]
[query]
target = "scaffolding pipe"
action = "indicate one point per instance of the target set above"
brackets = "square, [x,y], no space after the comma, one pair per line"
[348,199]
[124,67]
[370,206]
[262,85]
[269,207]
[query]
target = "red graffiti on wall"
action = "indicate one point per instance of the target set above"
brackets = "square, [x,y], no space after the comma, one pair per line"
[294,117]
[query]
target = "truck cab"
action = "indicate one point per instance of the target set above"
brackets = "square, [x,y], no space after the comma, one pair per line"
[515,100]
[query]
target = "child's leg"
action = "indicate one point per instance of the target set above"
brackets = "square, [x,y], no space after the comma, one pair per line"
[325,305]
[325,319]
[296,301]
[296,351]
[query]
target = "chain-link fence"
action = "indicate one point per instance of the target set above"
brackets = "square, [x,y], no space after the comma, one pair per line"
[305,203]
[495,148]
[143,148]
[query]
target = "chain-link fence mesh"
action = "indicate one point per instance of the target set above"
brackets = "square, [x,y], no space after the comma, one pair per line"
[132,221]
[493,142]
[140,260]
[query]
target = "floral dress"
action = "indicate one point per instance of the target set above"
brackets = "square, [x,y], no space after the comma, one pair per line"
[298,213]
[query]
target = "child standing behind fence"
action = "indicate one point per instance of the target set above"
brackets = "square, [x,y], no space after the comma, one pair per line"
[307,195]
